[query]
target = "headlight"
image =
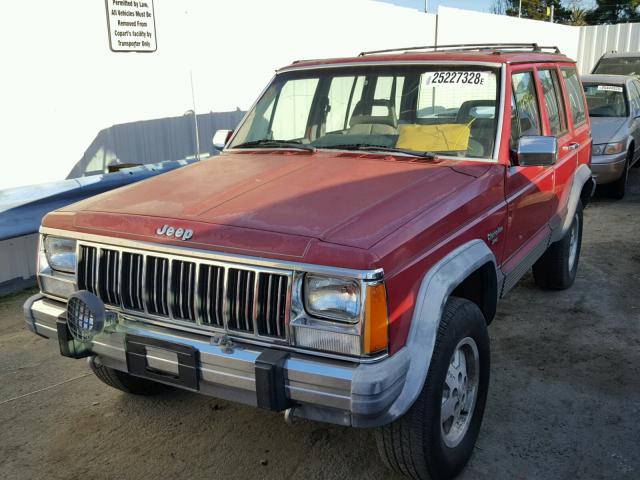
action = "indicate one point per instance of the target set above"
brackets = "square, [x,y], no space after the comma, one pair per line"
[61,253]
[333,298]
[612,148]
[608,148]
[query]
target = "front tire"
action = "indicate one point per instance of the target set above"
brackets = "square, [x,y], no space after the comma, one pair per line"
[435,438]
[556,269]
[126,382]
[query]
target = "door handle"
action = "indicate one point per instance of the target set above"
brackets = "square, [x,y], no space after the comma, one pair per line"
[571,146]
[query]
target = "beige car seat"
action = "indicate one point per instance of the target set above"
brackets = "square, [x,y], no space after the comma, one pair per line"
[363,122]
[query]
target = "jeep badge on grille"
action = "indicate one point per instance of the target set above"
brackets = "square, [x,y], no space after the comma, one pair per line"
[181,233]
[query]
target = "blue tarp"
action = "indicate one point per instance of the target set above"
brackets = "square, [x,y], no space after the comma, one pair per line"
[22,208]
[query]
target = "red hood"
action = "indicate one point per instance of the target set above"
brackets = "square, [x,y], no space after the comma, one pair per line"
[332,197]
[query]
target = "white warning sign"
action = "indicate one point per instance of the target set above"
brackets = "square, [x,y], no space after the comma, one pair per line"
[132,25]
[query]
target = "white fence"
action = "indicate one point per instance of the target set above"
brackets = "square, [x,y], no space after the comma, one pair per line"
[465,26]
[62,85]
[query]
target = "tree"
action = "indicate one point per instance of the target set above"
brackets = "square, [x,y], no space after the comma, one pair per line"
[537,10]
[572,12]
[498,7]
[577,14]
[578,17]
[614,11]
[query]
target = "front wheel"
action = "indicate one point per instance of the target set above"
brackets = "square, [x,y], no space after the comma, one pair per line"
[124,381]
[557,268]
[435,438]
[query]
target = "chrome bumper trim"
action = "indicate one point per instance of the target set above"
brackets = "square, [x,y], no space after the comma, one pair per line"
[335,391]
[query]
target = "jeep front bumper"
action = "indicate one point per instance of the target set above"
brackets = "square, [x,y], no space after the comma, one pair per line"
[318,388]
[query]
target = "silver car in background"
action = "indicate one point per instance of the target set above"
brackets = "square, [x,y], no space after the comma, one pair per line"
[614,108]
[618,63]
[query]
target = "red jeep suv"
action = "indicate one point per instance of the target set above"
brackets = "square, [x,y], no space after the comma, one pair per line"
[343,256]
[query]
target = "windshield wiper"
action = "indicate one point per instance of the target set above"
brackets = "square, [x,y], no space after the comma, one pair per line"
[276,144]
[380,148]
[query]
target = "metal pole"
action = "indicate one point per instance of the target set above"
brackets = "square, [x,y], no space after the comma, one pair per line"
[520,9]
[552,8]
[195,116]
[426,6]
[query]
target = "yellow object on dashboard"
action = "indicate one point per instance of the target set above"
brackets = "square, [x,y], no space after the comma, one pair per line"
[447,137]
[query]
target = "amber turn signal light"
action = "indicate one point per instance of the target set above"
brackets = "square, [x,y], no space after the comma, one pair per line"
[376,320]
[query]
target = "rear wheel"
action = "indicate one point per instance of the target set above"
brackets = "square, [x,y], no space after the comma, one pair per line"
[556,269]
[435,438]
[126,382]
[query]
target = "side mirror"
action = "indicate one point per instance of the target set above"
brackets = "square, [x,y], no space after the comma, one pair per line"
[537,151]
[220,138]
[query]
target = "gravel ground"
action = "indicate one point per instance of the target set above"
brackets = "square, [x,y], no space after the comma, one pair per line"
[564,400]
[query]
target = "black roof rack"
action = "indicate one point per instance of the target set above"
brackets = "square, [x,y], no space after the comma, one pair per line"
[497,47]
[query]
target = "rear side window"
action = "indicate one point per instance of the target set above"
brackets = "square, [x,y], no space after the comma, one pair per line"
[553,101]
[634,96]
[618,66]
[576,99]
[526,118]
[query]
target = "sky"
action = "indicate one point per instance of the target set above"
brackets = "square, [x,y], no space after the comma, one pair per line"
[480,5]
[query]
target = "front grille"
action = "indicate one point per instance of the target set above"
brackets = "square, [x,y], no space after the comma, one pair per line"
[273,290]
[205,294]
[211,292]
[183,280]
[157,272]
[240,297]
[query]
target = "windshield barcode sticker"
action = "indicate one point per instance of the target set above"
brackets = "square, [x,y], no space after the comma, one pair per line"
[434,79]
[610,88]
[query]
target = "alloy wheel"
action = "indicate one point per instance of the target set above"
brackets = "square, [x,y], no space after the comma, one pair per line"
[460,392]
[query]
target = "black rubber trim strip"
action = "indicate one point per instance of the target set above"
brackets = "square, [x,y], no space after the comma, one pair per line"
[188,361]
[69,346]
[269,370]
[28,313]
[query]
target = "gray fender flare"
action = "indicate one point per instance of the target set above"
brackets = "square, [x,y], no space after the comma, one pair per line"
[580,178]
[435,289]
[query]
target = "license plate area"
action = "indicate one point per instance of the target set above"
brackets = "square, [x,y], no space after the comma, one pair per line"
[162,361]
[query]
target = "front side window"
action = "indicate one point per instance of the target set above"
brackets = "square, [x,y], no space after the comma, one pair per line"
[527,115]
[605,100]
[553,101]
[576,98]
[442,110]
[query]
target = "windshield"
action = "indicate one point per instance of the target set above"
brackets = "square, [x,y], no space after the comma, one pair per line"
[605,100]
[440,110]
[619,66]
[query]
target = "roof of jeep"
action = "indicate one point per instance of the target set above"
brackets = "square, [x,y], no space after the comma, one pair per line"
[488,55]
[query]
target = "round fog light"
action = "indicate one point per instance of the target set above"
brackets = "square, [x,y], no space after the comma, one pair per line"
[85,315]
